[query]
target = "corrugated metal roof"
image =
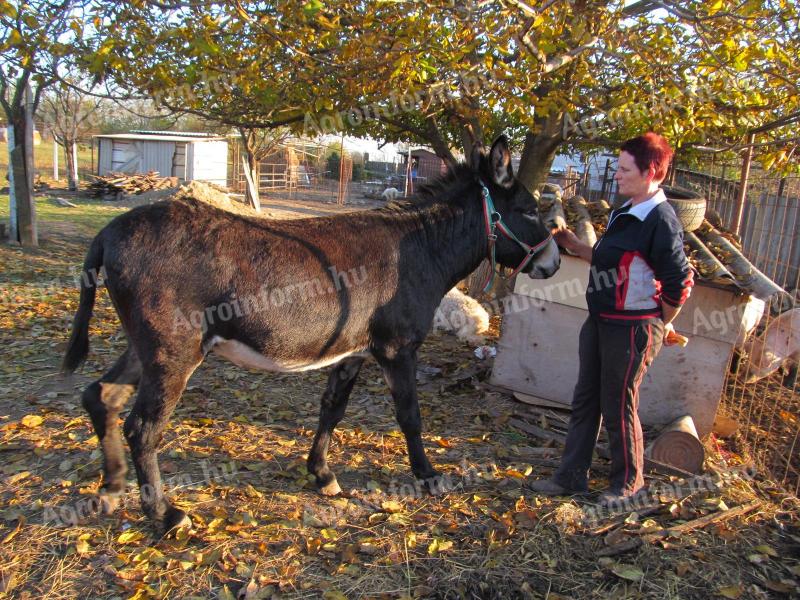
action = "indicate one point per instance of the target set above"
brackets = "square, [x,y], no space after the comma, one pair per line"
[197,134]
[176,137]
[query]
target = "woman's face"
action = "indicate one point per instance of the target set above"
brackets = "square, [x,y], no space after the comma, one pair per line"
[630,180]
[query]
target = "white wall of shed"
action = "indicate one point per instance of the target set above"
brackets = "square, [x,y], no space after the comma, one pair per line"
[207,161]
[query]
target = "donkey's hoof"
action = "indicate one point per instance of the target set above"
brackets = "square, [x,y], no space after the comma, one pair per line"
[331,488]
[174,519]
[436,484]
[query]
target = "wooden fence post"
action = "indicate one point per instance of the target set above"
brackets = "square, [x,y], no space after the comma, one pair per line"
[743,181]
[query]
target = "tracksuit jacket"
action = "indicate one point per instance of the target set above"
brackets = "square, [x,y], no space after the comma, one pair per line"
[639,263]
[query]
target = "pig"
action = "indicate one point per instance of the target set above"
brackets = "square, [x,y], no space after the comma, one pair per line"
[778,346]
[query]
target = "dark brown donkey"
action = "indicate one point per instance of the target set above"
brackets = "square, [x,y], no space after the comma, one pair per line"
[187,279]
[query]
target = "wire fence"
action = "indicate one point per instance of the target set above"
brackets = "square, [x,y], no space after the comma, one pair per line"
[309,172]
[761,391]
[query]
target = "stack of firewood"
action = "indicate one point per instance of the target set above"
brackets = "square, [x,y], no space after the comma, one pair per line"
[115,184]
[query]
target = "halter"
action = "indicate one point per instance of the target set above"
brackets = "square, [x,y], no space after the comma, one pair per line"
[494,220]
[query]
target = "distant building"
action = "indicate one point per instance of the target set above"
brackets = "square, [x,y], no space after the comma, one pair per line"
[187,156]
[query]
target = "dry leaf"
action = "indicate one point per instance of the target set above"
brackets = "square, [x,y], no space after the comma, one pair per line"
[629,572]
[731,591]
[392,506]
[130,536]
[31,421]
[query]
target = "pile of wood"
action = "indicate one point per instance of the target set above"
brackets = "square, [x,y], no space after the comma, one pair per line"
[117,184]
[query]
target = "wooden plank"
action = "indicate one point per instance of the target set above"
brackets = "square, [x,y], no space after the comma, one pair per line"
[536,401]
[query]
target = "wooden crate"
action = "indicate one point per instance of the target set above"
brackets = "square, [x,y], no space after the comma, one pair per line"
[538,348]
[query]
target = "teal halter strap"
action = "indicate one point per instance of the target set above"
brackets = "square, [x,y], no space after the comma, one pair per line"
[493,221]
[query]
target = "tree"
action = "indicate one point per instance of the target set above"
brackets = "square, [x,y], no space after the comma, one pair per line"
[454,74]
[70,114]
[585,71]
[24,31]
[246,66]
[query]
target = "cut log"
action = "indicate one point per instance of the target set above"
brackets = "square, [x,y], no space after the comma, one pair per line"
[116,184]
[704,261]
[678,446]
[746,274]
[584,228]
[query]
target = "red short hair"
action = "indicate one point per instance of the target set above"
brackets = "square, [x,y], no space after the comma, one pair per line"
[650,150]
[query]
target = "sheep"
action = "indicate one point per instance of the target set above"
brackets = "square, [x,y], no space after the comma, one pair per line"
[462,315]
[778,346]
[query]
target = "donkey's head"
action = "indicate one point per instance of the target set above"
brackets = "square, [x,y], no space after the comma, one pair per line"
[516,214]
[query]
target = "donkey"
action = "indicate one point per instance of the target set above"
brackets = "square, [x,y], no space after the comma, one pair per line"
[187,278]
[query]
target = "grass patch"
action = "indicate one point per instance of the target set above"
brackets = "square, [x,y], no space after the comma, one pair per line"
[89,215]
[43,159]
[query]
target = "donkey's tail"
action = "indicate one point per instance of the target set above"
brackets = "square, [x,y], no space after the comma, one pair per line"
[78,346]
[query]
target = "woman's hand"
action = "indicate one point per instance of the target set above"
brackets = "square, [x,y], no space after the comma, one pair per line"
[672,337]
[567,239]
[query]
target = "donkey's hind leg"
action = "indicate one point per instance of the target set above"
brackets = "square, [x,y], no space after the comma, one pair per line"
[160,388]
[103,400]
[334,403]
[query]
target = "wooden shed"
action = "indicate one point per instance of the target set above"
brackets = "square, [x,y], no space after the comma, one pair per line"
[187,156]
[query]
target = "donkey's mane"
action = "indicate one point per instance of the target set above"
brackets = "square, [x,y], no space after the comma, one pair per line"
[445,189]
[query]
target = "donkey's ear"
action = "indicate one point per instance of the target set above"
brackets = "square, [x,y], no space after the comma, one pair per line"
[500,163]
[478,152]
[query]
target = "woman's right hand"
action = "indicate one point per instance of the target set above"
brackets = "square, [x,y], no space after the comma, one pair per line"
[567,239]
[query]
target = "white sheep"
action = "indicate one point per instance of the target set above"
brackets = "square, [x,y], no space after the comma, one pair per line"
[462,315]
[778,346]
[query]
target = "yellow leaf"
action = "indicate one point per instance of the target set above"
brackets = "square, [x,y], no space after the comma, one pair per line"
[32,421]
[731,591]
[768,550]
[129,536]
[439,545]
[392,506]
[82,547]
[333,595]
[629,572]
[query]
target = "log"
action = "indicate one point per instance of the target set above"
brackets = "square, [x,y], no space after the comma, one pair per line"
[537,431]
[584,228]
[678,446]
[708,265]
[745,273]
[554,218]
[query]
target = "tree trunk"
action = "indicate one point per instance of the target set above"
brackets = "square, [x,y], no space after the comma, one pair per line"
[438,143]
[23,208]
[250,166]
[537,156]
[72,170]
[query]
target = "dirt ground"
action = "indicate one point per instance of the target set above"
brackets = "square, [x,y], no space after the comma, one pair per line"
[234,457]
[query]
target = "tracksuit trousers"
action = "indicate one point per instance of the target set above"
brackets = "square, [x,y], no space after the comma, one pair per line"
[613,360]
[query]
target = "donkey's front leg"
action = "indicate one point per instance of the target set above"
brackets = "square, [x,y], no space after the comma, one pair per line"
[334,402]
[400,372]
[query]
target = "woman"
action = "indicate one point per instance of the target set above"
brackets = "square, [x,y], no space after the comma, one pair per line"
[639,279]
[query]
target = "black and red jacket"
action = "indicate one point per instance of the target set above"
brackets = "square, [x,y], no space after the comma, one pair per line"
[639,263]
